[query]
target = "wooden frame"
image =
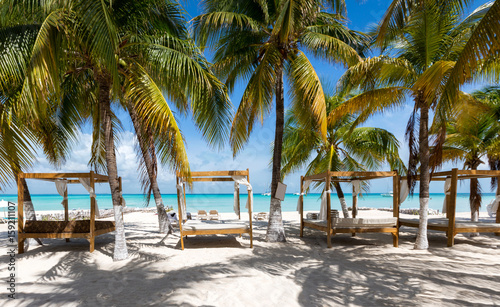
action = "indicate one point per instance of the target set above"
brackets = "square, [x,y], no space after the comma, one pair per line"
[212,176]
[329,177]
[452,229]
[71,178]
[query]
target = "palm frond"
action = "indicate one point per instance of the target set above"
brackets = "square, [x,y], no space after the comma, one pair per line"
[307,95]
[257,99]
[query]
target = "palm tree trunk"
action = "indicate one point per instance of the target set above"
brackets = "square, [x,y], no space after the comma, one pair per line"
[275,229]
[340,195]
[163,221]
[422,242]
[474,199]
[120,251]
[29,209]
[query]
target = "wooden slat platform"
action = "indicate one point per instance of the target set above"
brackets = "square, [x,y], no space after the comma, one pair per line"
[441,224]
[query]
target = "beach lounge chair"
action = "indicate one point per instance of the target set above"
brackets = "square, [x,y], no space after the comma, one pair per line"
[202,215]
[261,216]
[213,215]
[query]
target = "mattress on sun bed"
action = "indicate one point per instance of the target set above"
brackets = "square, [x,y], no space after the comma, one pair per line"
[215,225]
[78,226]
[458,224]
[359,222]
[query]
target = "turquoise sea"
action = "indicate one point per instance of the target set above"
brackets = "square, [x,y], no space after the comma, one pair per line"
[224,202]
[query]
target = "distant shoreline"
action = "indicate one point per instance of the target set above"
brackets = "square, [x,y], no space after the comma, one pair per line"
[255,194]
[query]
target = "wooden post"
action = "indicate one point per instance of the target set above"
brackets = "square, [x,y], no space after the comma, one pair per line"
[328,212]
[180,211]
[66,214]
[354,206]
[301,208]
[354,203]
[452,203]
[497,220]
[238,198]
[396,188]
[448,202]
[92,213]
[249,212]
[498,193]
[20,214]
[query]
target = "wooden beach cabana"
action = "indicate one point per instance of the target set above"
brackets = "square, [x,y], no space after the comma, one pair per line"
[352,225]
[449,224]
[87,229]
[191,227]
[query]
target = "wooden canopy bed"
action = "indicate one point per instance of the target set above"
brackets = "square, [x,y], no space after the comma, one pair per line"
[192,227]
[87,229]
[449,224]
[352,225]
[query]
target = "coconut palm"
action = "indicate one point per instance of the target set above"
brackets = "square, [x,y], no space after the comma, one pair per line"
[120,53]
[346,147]
[260,42]
[473,137]
[422,43]
[23,128]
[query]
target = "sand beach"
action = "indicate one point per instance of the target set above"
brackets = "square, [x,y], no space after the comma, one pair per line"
[221,270]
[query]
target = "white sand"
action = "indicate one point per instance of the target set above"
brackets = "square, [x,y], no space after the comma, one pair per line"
[223,271]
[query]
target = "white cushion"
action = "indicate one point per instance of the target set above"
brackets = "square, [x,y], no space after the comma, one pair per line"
[364,222]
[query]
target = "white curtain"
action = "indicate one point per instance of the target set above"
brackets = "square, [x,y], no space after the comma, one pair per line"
[404,191]
[86,184]
[305,186]
[236,205]
[356,187]
[243,180]
[61,186]
[493,206]
[447,192]
[180,188]
[323,211]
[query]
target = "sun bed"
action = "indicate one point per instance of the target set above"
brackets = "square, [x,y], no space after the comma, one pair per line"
[214,225]
[449,224]
[86,229]
[461,226]
[213,215]
[353,225]
[261,216]
[191,227]
[202,215]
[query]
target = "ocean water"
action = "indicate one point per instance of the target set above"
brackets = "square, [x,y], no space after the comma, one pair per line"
[224,202]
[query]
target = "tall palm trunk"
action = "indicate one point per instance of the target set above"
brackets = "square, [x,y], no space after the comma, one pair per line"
[163,221]
[120,251]
[422,242]
[275,229]
[341,196]
[475,196]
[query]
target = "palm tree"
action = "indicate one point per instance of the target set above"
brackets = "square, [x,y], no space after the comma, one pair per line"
[260,42]
[128,52]
[346,147]
[423,42]
[23,128]
[472,136]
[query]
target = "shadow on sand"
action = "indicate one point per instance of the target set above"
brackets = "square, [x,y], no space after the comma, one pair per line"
[364,270]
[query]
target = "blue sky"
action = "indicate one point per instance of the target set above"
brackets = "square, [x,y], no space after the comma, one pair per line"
[257,154]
